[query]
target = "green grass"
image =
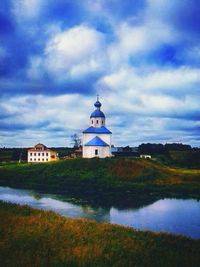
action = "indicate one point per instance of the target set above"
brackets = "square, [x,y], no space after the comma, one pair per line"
[30,237]
[108,181]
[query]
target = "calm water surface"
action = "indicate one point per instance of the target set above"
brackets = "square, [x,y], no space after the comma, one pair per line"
[169,215]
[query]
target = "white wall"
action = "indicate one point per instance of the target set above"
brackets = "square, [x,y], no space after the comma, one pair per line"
[103,151]
[89,151]
[39,156]
[97,122]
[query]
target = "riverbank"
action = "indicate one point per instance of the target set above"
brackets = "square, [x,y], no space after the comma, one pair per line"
[105,181]
[31,237]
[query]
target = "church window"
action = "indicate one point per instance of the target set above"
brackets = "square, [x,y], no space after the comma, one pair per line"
[96,152]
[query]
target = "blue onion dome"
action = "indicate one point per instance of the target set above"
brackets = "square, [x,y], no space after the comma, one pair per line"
[97,104]
[97,113]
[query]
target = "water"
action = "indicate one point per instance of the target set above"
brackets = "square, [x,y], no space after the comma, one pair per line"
[167,215]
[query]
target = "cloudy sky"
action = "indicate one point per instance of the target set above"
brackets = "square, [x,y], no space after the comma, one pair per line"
[141,56]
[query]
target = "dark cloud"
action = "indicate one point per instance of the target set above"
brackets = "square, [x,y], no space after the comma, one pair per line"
[12,127]
[84,85]
[187,17]
[6,126]
[68,13]
[6,25]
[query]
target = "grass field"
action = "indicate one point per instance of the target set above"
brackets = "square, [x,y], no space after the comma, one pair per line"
[109,181]
[30,237]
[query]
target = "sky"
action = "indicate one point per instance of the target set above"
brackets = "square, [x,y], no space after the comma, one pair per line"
[141,56]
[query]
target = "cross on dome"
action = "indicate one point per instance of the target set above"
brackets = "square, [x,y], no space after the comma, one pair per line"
[97,104]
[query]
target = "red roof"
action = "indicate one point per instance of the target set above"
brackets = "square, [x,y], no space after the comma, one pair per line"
[33,149]
[44,148]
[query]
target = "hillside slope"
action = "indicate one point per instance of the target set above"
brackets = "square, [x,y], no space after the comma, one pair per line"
[104,179]
[31,237]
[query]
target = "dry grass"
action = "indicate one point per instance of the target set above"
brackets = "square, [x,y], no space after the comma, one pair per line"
[31,237]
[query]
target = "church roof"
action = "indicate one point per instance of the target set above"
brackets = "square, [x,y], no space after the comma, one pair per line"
[98,130]
[96,141]
[97,113]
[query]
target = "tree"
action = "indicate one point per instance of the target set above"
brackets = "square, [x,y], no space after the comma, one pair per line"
[76,140]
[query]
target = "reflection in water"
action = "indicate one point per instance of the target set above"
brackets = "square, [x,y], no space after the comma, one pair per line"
[169,215]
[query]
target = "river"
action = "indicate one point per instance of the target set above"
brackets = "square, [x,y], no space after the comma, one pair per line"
[178,216]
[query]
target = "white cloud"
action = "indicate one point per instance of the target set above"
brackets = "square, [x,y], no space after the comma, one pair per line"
[158,94]
[150,81]
[160,8]
[27,9]
[35,70]
[133,40]
[75,52]
[49,119]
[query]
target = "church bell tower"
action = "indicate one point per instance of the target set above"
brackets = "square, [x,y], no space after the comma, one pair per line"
[97,138]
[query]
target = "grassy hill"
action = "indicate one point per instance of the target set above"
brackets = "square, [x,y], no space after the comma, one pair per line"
[111,181]
[31,237]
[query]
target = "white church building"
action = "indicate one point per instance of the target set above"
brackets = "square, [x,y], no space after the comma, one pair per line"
[97,138]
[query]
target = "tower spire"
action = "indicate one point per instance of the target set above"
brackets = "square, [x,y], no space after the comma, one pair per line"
[97,104]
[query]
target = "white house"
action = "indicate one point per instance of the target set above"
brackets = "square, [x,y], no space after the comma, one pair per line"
[97,138]
[40,153]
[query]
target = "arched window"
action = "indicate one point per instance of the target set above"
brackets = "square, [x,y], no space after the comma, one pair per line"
[97,121]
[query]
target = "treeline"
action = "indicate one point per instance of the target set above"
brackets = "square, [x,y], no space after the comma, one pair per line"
[13,154]
[176,154]
[164,149]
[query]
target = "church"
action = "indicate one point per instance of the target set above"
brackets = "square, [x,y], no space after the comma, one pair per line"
[97,138]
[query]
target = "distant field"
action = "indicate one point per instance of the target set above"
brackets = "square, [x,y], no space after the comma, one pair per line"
[107,180]
[35,238]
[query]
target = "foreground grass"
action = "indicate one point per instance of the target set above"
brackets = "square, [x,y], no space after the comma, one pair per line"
[30,237]
[105,181]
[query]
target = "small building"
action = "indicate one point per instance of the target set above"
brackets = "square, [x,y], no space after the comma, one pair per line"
[40,153]
[97,138]
[144,156]
[77,153]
